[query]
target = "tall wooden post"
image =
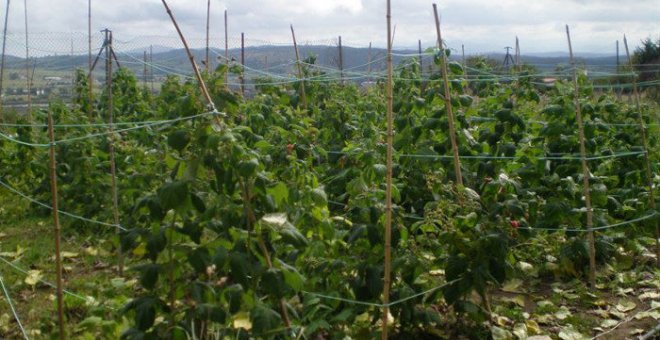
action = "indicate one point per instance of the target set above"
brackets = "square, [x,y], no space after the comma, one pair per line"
[226,53]
[144,70]
[111,147]
[208,25]
[27,66]
[450,113]
[90,78]
[421,63]
[341,61]
[2,62]
[301,75]
[387,279]
[243,64]
[369,62]
[151,67]
[642,132]
[56,227]
[586,192]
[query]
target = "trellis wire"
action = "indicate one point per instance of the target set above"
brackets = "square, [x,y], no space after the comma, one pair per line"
[93,135]
[47,283]
[74,216]
[11,306]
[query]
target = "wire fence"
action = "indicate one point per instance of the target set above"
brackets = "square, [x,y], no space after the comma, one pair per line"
[46,64]
[55,57]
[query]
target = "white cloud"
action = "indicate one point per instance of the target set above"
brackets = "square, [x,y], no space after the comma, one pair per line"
[482,25]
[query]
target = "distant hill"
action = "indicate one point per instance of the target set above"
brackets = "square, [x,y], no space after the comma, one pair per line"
[281,59]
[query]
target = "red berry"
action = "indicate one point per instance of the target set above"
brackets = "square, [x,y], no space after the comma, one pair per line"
[515,224]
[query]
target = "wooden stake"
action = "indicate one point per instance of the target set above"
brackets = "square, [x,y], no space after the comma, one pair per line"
[518,65]
[2,63]
[202,85]
[387,280]
[243,64]
[421,64]
[226,53]
[56,225]
[341,61]
[585,169]
[111,149]
[208,24]
[27,65]
[450,113]
[642,131]
[151,66]
[301,75]
[144,70]
[90,77]
[369,62]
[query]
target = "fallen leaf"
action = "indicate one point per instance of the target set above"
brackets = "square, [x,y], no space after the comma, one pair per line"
[655,314]
[242,321]
[91,251]
[562,313]
[512,286]
[625,306]
[502,320]
[636,331]
[608,323]
[532,327]
[525,267]
[520,331]
[649,295]
[617,314]
[33,277]
[539,337]
[570,333]
[545,319]
[500,333]
[518,300]
[68,254]
[601,313]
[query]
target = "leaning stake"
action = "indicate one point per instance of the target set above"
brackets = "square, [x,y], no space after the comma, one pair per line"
[56,224]
[388,179]
[202,85]
[585,169]
[450,113]
[642,130]
[301,75]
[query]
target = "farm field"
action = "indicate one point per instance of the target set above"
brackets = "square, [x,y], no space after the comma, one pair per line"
[266,217]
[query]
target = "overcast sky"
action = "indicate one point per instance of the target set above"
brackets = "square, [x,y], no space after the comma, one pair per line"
[482,25]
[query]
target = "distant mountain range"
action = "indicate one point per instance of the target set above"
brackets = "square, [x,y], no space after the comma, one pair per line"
[281,59]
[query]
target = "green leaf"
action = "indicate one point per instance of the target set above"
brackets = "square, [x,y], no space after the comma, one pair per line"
[240,268]
[234,296]
[455,67]
[272,281]
[279,192]
[264,319]
[319,197]
[178,139]
[198,203]
[173,195]
[199,259]
[248,168]
[148,274]
[292,276]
